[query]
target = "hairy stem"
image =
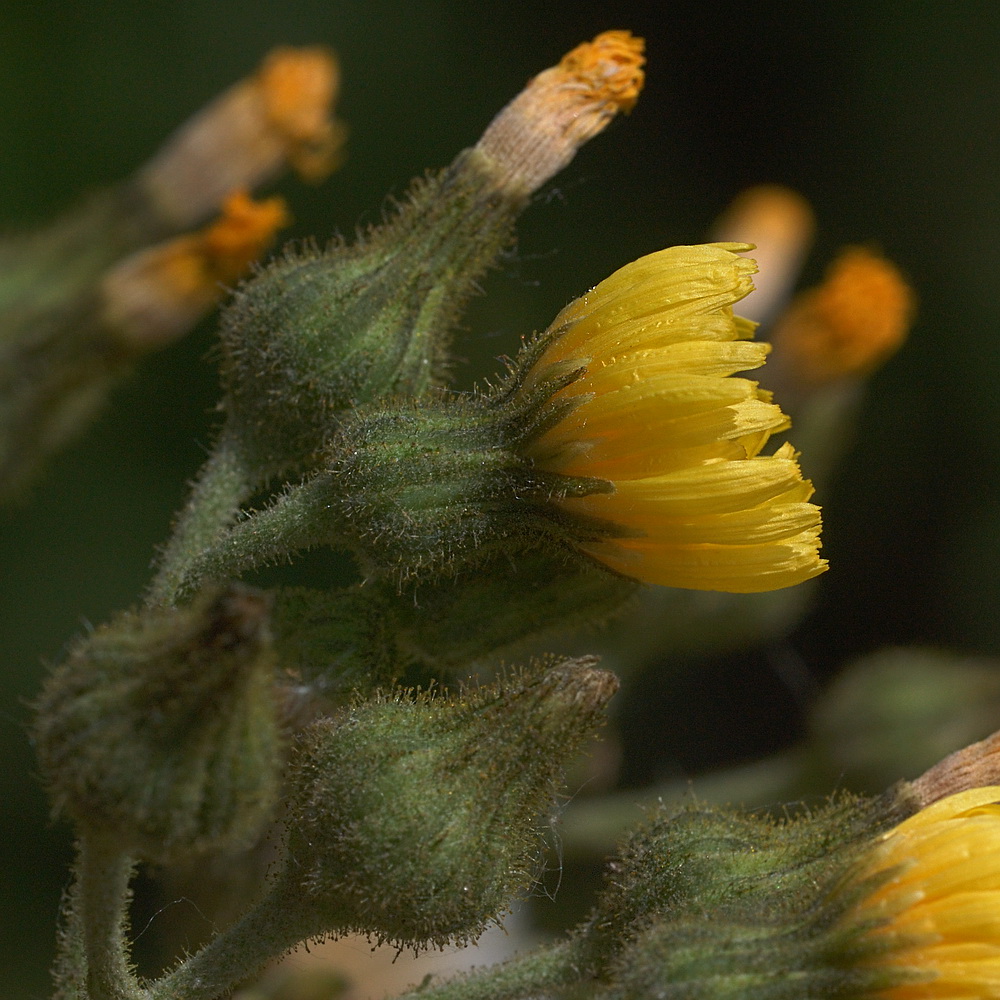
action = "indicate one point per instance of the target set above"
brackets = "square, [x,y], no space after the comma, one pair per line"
[265,932]
[298,519]
[104,874]
[221,487]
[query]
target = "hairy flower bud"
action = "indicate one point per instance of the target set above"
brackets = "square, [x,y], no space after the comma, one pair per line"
[159,731]
[416,821]
[429,489]
[716,904]
[413,820]
[319,332]
[857,914]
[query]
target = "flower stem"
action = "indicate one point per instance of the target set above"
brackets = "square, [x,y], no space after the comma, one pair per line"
[266,931]
[223,484]
[302,517]
[104,874]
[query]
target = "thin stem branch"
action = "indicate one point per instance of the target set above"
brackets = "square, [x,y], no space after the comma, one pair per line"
[298,519]
[265,932]
[223,484]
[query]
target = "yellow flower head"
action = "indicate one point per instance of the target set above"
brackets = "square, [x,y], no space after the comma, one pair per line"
[935,908]
[653,408]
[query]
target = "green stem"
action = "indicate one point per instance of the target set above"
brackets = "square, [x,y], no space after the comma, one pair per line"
[272,927]
[104,874]
[296,520]
[532,975]
[223,484]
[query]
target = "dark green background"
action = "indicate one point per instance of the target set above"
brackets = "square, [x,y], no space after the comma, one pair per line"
[886,115]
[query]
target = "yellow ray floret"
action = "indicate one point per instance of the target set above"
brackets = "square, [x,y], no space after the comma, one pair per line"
[662,415]
[937,902]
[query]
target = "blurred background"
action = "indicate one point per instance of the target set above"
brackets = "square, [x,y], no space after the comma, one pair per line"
[885,115]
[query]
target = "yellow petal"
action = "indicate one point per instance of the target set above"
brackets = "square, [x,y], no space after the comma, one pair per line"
[732,568]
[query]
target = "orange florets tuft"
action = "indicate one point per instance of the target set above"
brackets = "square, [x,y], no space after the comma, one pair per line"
[241,234]
[610,67]
[851,323]
[298,87]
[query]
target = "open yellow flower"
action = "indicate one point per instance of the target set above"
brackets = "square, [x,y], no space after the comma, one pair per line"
[660,415]
[936,906]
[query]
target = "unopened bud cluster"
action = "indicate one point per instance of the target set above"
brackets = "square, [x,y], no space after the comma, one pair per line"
[624,445]
[415,818]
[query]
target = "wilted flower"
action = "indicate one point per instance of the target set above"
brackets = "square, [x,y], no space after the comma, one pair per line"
[539,132]
[280,115]
[158,294]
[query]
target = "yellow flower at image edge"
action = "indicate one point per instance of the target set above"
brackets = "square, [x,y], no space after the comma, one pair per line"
[936,906]
[661,415]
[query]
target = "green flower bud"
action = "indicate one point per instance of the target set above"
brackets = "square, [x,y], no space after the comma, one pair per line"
[316,333]
[159,731]
[420,490]
[460,620]
[416,820]
[427,489]
[886,913]
[412,819]
[361,639]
